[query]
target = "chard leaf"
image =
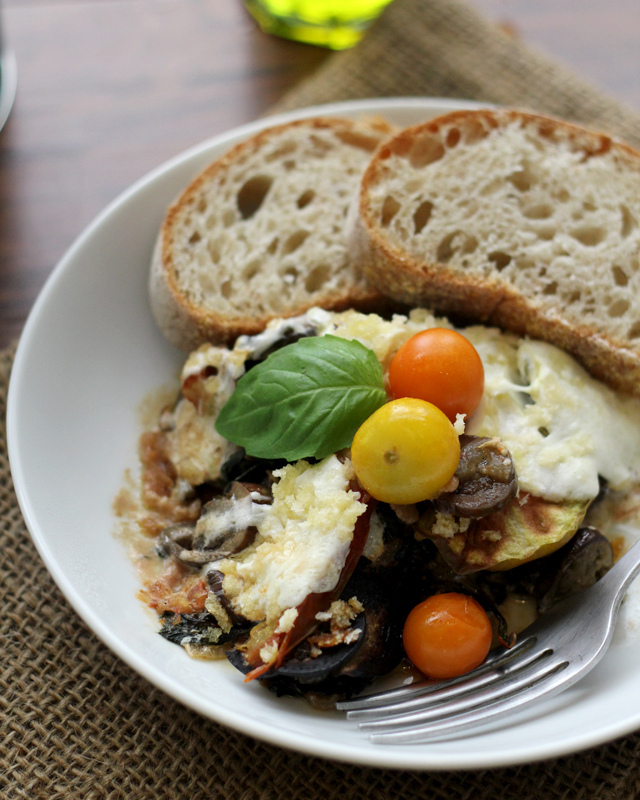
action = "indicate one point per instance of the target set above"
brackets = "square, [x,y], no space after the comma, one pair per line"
[305,400]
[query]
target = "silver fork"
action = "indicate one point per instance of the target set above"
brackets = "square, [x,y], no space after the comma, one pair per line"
[553,653]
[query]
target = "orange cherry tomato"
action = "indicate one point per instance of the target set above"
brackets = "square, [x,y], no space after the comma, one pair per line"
[447,635]
[441,367]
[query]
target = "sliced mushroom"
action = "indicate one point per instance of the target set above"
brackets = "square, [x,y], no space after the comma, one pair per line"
[174,539]
[228,524]
[196,558]
[486,479]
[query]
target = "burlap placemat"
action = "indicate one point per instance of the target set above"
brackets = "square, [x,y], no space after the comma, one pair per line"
[75,722]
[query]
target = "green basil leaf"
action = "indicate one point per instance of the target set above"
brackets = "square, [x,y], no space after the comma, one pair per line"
[306,399]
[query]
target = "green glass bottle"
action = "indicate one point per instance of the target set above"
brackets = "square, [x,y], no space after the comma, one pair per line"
[328,23]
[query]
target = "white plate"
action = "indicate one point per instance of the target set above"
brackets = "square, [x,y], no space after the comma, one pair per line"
[8,84]
[88,355]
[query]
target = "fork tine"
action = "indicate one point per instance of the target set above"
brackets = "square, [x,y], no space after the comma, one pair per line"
[469,692]
[524,676]
[440,690]
[421,699]
[444,729]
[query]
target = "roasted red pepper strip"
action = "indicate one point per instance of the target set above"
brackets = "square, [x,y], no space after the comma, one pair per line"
[305,623]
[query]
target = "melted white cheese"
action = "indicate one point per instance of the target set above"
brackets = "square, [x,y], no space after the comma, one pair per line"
[562,427]
[302,541]
[315,319]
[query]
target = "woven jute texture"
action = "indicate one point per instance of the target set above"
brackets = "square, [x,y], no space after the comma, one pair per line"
[75,722]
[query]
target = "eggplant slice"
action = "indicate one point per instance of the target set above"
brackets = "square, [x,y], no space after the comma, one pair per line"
[301,666]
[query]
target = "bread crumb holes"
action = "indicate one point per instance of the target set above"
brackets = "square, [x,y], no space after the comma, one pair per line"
[453,137]
[618,308]
[455,242]
[522,179]
[422,215]
[289,276]
[589,236]
[251,270]
[358,140]
[499,259]
[294,241]
[620,277]
[629,222]
[475,130]
[425,151]
[537,211]
[318,276]
[305,198]
[390,208]
[252,194]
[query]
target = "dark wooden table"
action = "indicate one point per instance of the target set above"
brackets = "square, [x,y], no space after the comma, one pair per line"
[109,89]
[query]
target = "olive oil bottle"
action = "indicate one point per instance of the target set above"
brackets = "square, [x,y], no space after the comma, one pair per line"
[328,23]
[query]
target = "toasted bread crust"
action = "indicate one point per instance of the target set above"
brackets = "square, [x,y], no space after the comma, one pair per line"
[482,293]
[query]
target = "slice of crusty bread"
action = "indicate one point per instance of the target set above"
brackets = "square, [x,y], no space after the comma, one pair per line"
[261,233]
[512,219]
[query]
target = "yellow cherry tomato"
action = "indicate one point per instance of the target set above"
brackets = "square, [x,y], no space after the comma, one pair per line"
[405,452]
